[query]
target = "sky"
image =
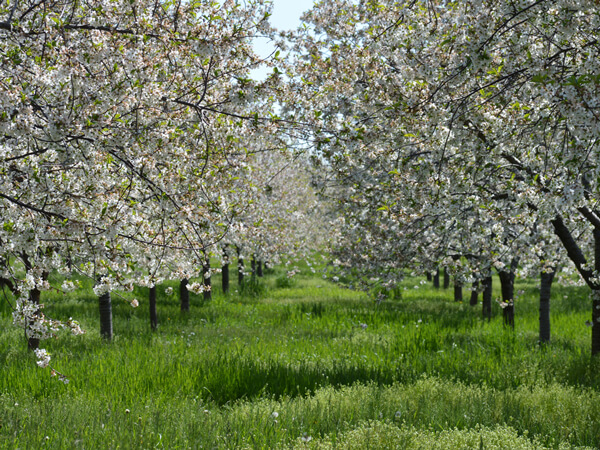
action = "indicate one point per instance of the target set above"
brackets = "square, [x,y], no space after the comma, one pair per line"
[286,16]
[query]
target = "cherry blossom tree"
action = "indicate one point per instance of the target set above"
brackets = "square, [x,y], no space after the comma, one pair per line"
[492,104]
[119,138]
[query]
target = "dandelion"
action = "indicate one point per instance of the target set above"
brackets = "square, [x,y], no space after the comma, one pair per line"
[127,411]
[169,291]
[306,438]
[274,414]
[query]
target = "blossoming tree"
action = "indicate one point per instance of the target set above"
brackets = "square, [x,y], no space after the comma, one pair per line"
[492,104]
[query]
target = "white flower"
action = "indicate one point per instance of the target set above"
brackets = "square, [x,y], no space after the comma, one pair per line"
[68,286]
[135,303]
[43,356]
[306,438]
[198,288]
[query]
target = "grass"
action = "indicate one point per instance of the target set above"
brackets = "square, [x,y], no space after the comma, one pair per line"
[306,364]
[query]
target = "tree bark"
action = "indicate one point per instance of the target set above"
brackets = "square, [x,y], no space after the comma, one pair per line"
[458,295]
[253,266]
[545,290]
[507,283]
[596,297]
[225,270]
[428,275]
[240,268]
[573,251]
[436,279]
[207,281]
[487,298]
[225,278]
[152,303]
[474,293]
[106,325]
[184,295]
[34,297]
[260,269]
[576,255]
[446,278]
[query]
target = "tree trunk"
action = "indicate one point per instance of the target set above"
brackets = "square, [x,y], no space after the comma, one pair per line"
[34,297]
[225,278]
[240,268]
[184,295]
[253,266]
[507,282]
[152,303]
[474,293]
[207,281]
[260,269]
[576,255]
[105,306]
[446,279]
[457,291]
[596,297]
[436,279]
[428,275]
[487,298]
[545,287]
[225,272]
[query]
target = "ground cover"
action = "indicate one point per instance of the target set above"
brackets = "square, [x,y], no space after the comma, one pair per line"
[306,364]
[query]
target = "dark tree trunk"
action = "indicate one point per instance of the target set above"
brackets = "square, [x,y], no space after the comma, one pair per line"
[225,278]
[105,306]
[596,297]
[545,289]
[507,282]
[474,293]
[207,281]
[428,274]
[259,271]
[184,295]
[436,279]
[253,266]
[152,303]
[240,268]
[457,291]
[446,279]
[225,272]
[576,255]
[487,298]
[34,297]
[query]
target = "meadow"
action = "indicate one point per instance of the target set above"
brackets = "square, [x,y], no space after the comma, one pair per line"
[306,364]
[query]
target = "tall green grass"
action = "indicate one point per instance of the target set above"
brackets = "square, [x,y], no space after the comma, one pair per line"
[306,363]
